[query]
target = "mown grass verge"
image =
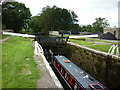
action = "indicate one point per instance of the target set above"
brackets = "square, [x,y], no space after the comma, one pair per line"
[94,39]
[19,70]
[80,42]
[100,47]
[4,36]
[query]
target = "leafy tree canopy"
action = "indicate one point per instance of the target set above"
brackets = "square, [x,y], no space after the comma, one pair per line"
[34,25]
[54,18]
[15,16]
[99,24]
[96,27]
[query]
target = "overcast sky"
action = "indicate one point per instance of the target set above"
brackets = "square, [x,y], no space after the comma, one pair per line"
[87,10]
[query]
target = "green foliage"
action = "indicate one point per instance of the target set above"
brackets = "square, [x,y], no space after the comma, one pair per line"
[53,18]
[15,16]
[19,70]
[34,25]
[87,28]
[23,31]
[75,27]
[3,27]
[99,24]
[74,16]
[61,19]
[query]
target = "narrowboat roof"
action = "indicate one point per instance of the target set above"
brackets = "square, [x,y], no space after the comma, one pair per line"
[80,75]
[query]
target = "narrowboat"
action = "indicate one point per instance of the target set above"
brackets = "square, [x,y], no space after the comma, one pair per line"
[74,76]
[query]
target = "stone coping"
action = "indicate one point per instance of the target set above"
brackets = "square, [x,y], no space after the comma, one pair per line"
[95,51]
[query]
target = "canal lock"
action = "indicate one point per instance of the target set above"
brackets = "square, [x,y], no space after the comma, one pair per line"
[53,46]
[94,63]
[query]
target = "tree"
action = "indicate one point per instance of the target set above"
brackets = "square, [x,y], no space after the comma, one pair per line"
[44,20]
[99,24]
[74,16]
[54,18]
[15,16]
[74,27]
[34,26]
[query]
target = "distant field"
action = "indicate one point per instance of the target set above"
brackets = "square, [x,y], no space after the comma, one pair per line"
[93,45]
[19,70]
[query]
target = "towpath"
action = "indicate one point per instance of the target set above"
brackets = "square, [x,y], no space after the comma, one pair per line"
[2,40]
[45,80]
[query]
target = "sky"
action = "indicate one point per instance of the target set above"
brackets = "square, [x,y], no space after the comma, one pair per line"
[86,10]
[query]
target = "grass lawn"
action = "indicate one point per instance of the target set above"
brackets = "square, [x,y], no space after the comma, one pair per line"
[94,39]
[80,42]
[4,36]
[19,70]
[101,47]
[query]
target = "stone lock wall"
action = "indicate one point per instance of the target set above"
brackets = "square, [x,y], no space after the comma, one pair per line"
[102,66]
